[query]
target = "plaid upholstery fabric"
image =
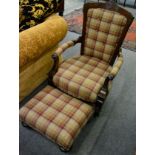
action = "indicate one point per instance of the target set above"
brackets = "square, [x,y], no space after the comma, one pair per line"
[63,47]
[56,115]
[118,63]
[82,77]
[103,30]
[116,67]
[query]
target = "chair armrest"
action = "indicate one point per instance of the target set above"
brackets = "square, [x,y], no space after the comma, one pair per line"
[56,55]
[39,39]
[65,46]
[116,67]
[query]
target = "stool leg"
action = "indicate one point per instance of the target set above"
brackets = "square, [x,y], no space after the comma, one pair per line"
[65,150]
[25,125]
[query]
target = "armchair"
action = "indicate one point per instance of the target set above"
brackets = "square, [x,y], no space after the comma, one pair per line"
[80,84]
[88,77]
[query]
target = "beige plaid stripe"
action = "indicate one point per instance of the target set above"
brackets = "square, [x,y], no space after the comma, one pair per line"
[116,67]
[56,115]
[103,32]
[82,77]
[63,47]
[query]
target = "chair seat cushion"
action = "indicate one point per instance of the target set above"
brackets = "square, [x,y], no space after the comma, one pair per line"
[82,77]
[56,115]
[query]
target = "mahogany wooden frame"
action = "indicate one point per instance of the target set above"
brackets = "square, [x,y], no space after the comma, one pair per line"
[110,5]
[60,9]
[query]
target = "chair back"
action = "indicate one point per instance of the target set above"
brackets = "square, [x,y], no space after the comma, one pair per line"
[104,29]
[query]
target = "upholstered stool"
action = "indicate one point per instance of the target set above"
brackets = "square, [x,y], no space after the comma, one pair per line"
[56,115]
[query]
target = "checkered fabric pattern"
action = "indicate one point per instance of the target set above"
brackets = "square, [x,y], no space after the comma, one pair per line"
[63,47]
[115,69]
[103,31]
[56,115]
[118,63]
[82,77]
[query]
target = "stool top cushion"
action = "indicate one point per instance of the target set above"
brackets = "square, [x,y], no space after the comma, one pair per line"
[56,115]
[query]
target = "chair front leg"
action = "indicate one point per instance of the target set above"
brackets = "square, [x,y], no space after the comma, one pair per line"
[101,97]
[55,57]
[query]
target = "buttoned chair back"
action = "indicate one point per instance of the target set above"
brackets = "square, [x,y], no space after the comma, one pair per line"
[104,29]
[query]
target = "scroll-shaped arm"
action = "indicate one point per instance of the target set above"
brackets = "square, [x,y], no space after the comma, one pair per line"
[66,45]
[106,86]
[116,67]
[57,53]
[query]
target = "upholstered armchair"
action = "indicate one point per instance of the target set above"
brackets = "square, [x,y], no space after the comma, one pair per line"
[88,77]
[80,84]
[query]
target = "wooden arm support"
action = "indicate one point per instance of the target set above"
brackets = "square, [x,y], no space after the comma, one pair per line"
[102,95]
[104,90]
[78,40]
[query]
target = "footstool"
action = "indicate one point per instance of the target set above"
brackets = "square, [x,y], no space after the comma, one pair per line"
[56,115]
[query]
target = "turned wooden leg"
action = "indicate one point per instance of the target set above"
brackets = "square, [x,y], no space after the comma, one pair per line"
[25,125]
[61,13]
[65,150]
[98,107]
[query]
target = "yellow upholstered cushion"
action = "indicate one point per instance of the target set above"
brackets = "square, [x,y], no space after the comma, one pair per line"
[37,40]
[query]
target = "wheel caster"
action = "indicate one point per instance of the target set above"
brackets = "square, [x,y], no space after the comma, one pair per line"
[25,125]
[64,150]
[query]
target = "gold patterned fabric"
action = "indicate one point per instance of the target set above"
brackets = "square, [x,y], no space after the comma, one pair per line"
[36,46]
[56,115]
[103,31]
[37,40]
[34,12]
[82,77]
[34,73]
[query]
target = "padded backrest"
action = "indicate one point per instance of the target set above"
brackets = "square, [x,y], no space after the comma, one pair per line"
[104,29]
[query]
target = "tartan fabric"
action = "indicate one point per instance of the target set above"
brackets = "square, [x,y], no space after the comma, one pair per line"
[63,47]
[82,77]
[118,63]
[56,115]
[116,67]
[103,31]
